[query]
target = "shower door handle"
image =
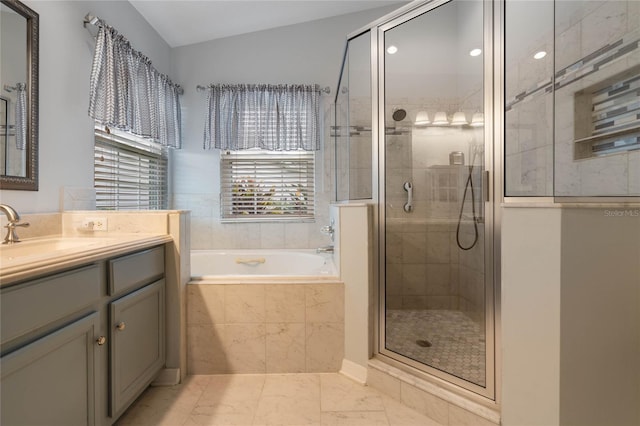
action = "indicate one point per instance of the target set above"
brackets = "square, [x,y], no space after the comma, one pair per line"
[408,207]
[486,185]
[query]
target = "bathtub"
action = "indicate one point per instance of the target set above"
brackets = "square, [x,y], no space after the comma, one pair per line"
[243,265]
[264,311]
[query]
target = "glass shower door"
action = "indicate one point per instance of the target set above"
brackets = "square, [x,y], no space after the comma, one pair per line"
[437,310]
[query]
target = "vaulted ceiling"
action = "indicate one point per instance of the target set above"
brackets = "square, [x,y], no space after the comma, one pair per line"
[182,22]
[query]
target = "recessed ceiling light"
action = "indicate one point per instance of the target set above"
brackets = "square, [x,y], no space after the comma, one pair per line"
[391,50]
[475,52]
[541,54]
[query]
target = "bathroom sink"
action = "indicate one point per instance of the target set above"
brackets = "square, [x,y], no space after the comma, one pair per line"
[40,247]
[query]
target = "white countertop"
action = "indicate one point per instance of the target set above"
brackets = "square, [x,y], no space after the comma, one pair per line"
[33,257]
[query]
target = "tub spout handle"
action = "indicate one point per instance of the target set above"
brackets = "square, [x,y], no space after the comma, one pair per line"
[325,249]
[250,261]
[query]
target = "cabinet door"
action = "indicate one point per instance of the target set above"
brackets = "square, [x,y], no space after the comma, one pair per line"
[137,344]
[51,381]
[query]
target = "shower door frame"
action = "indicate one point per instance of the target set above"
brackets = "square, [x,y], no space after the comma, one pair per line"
[492,193]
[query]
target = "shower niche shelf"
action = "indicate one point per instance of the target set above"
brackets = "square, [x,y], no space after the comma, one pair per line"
[608,143]
[607,117]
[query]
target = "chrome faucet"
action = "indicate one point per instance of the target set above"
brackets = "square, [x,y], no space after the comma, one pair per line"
[13,219]
[328,230]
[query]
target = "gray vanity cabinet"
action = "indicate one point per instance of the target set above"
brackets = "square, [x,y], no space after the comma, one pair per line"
[137,343]
[52,380]
[78,346]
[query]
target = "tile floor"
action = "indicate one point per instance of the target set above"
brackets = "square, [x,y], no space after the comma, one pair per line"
[457,342]
[269,399]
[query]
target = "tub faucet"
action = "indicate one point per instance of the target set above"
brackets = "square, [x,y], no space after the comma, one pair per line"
[13,219]
[325,249]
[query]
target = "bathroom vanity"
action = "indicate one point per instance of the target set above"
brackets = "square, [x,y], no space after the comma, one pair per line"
[83,335]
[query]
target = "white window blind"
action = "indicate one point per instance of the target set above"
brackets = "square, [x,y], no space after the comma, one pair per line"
[130,173]
[267,185]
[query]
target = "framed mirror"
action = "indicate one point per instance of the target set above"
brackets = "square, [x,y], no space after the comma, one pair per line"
[19,28]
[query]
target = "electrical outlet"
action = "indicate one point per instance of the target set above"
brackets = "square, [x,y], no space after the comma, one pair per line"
[95,224]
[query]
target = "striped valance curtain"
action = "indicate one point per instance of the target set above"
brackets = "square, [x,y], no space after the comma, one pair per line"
[128,93]
[282,117]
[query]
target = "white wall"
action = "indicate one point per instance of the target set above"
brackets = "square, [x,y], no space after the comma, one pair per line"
[305,53]
[530,315]
[309,52]
[353,256]
[66,131]
[571,315]
[600,320]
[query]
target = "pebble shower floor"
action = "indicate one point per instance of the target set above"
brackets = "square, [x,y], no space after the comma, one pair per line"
[457,343]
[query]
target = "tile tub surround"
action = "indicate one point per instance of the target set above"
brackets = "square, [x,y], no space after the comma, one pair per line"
[275,399]
[265,328]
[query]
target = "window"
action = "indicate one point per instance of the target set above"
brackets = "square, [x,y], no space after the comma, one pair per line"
[130,172]
[267,185]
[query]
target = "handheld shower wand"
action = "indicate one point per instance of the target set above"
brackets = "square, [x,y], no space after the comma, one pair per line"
[469,185]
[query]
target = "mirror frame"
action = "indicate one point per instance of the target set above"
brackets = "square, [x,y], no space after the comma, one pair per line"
[30,181]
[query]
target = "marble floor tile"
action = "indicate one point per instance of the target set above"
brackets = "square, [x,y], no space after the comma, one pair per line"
[289,400]
[230,394]
[165,405]
[338,393]
[354,418]
[270,399]
[401,415]
[228,400]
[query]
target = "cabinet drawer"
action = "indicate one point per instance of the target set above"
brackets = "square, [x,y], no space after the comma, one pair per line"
[32,305]
[135,270]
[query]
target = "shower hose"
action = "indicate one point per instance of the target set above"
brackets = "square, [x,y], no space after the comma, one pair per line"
[468,185]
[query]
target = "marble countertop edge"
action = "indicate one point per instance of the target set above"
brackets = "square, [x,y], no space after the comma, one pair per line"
[55,261]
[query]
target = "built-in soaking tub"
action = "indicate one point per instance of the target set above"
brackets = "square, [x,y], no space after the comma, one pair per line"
[264,311]
[256,265]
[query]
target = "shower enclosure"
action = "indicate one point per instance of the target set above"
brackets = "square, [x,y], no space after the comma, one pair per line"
[416,110]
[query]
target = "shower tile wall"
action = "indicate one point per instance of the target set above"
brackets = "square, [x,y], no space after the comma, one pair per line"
[529,121]
[425,267]
[361,145]
[581,28]
[580,32]
[354,145]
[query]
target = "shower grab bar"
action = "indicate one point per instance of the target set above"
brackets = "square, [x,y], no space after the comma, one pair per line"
[408,207]
[250,261]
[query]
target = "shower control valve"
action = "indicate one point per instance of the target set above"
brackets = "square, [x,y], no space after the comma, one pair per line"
[328,230]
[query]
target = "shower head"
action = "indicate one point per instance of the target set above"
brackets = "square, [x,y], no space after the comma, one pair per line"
[398,114]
